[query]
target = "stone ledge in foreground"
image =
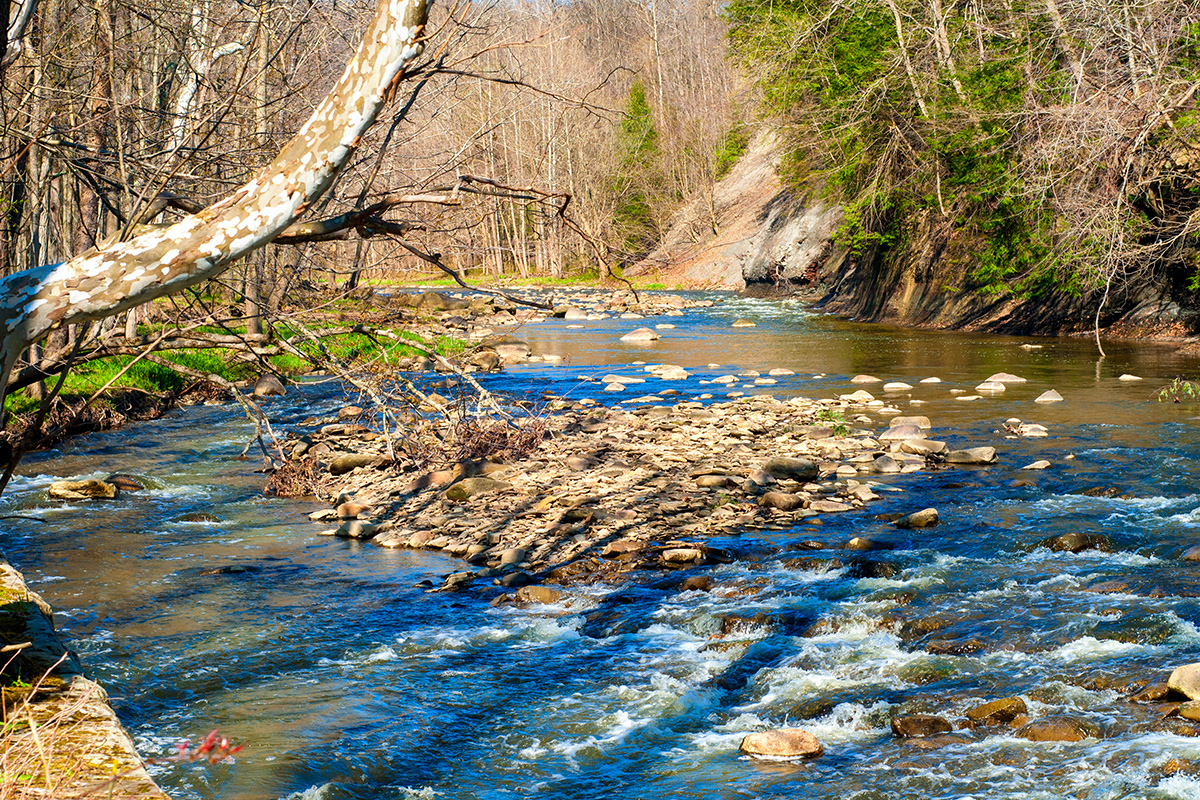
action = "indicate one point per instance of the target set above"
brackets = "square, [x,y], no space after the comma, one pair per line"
[79,744]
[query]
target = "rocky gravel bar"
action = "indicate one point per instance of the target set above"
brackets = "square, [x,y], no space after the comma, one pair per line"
[633,487]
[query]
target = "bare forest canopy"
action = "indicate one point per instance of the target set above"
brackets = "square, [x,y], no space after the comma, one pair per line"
[112,103]
[1050,145]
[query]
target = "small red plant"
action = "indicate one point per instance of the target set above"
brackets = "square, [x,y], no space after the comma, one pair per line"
[213,750]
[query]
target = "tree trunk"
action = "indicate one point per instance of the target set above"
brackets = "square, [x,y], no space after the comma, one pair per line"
[100,283]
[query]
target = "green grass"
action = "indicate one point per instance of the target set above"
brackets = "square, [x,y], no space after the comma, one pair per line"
[86,379]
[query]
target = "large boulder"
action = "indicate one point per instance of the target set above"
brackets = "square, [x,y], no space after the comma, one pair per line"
[268,386]
[782,743]
[91,489]
[1186,681]
[783,468]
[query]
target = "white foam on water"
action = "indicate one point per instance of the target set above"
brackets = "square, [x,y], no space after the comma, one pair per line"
[311,793]
[1088,648]
[616,727]
[384,653]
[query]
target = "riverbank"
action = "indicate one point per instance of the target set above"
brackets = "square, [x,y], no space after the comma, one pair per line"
[61,737]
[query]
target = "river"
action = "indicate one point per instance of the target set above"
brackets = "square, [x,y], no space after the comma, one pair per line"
[201,604]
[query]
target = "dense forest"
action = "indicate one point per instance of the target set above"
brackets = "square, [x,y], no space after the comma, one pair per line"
[1041,146]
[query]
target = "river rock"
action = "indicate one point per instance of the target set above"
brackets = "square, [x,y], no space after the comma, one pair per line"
[864,379]
[925,518]
[683,556]
[920,421]
[897,386]
[1006,377]
[902,433]
[1049,396]
[990,387]
[268,386]
[343,464]
[511,351]
[997,712]
[91,489]
[1031,430]
[125,483]
[1192,553]
[712,481]
[972,455]
[1041,464]
[780,372]
[784,501]
[743,323]
[922,447]
[356,529]
[486,359]
[1186,681]
[782,467]
[351,509]
[626,380]
[537,595]
[579,463]
[828,506]
[641,335]
[1128,377]
[1057,729]
[885,464]
[782,743]
[471,487]
[1075,542]
[918,725]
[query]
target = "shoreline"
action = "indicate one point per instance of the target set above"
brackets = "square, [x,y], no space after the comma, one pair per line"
[62,737]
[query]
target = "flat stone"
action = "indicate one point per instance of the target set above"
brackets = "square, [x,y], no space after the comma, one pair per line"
[897,386]
[1128,377]
[343,464]
[743,323]
[997,712]
[925,518]
[972,455]
[712,481]
[470,487]
[1006,377]
[1186,681]
[931,380]
[1031,430]
[828,506]
[641,335]
[623,379]
[783,501]
[539,595]
[921,447]
[781,467]
[1049,396]
[683,555]
[990,387]
[902,432]
[91,489]
[125,483]
[1042,464]
[864,379]
[782,743]
[780,372]
[920,421]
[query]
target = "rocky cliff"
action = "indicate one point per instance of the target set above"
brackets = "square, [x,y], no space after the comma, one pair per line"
[754,235]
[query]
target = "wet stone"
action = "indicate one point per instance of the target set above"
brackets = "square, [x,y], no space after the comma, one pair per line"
[1186,681]
[1075,542]
[914,725]
[782,743]
[997,712]
[1058,729]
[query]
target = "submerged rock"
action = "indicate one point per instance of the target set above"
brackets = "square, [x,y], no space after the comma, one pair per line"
[1075,542]
[782,743]
[997,712]
[917,725]
[1058,729]
[925,518]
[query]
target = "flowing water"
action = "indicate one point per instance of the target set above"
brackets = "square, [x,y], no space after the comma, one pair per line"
[201,604]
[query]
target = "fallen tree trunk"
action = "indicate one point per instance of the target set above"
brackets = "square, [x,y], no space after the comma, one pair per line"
[103,282]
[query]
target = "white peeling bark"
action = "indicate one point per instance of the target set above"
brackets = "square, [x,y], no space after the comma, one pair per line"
[100,283]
